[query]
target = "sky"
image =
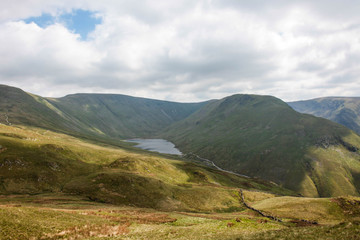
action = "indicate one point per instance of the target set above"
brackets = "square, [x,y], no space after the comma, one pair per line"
[182,50]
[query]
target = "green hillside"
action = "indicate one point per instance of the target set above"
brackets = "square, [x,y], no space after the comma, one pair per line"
[343,110]
[35,161]
[19,107]
[102,116]
[122,116]
[262,136]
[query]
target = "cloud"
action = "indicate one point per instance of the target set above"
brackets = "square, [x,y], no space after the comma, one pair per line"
[184,50]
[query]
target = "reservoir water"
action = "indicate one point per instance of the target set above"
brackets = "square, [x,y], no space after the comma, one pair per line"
[156,145]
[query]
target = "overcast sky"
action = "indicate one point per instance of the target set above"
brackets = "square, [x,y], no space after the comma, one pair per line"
[182,50]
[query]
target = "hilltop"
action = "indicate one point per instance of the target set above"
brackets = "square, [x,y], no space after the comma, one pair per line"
[261,136]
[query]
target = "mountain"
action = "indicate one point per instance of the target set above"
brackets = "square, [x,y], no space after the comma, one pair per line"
[98,115]
[261,136]
[343,110]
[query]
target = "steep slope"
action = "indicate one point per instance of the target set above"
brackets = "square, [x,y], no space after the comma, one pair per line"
[98,115]
[343,110]
[121,116]
[262,136]
[17,106]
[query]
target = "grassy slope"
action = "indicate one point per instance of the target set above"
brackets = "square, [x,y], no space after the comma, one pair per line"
[59,216]
[34,161]
[123,116]
[343,110]
[262,136]
[23,108]
[102,116]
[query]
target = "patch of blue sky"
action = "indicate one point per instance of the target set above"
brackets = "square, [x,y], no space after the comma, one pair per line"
[42,21]
[79,21]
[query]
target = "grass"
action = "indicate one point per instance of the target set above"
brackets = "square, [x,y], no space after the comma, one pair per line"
[62,216]
[27,222]
[321,210]
[81,219]
[36,161]
[350,230]
[334,171]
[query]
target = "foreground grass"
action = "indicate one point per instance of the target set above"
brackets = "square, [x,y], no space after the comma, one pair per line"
[61,216]
[321,210]
[346,230]
[70,217]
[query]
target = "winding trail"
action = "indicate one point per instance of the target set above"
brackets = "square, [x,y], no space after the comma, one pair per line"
[212,164]
[7,119]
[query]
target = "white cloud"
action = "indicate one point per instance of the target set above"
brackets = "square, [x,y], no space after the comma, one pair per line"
[53,53]
[185,50]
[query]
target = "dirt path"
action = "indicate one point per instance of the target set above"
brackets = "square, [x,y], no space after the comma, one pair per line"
[7,119]
[212,164]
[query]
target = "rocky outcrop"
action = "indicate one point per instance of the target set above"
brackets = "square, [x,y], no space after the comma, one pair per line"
[327,141]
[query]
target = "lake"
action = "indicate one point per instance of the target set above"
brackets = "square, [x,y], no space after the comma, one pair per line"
[156,145]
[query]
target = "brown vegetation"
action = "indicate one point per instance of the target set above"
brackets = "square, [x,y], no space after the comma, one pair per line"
[230,224]
[135,216]
[87,231]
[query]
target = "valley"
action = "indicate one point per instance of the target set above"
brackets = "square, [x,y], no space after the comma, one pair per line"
[68,162]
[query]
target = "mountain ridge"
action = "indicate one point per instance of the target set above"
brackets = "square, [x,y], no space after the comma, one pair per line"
[96,115]
[343,110]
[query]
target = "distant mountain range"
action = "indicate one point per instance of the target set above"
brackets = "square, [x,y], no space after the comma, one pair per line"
[343,110]
[260,136]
